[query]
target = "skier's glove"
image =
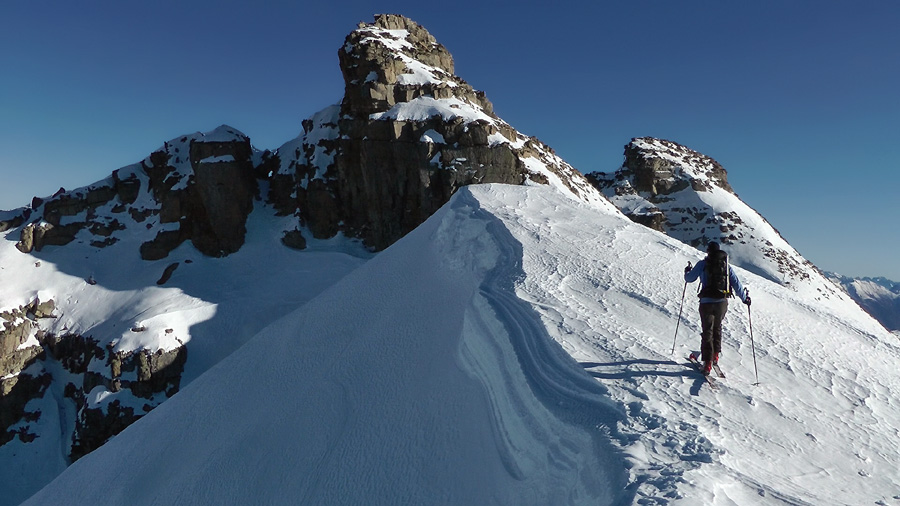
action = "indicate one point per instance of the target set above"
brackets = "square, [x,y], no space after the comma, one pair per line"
[688,268]
[747,300]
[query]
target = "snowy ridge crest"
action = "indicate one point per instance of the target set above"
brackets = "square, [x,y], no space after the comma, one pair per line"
[685,194]
[538,373]
[700,170]
[532,275]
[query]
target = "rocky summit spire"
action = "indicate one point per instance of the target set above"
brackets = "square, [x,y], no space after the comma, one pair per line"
[395,60]
[407,135]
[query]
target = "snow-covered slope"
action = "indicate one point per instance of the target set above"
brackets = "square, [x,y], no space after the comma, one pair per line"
[111,296]
[686,194]
[514,349]
[94,337]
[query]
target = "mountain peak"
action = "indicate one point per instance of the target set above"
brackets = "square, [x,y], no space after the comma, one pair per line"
[394,60]
[408,135]
[660,166]
[685,194]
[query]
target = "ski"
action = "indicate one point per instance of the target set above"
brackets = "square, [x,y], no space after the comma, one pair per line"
[696,363]
[718,371]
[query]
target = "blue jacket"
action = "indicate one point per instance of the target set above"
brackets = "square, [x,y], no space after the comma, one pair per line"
[699,270]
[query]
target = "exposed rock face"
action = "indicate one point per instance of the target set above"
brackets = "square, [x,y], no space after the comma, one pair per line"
[23,377]
[78,209]
[17,353]
[147,375]
[647,185]
[206,183]
[24,352]
[203,183]
[653,170]
[406,136]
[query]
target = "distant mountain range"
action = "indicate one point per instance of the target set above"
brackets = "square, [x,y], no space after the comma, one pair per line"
[880,297]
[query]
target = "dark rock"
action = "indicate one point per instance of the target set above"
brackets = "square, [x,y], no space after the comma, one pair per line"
[64,205]
[35,237]
[14,222]
[98,426]
[388,173]
[167,273]
[106,229]
[128,189]
[15,393]
[109,241]
[294,239]
[654,169]
[160,246]
[224,192]
[99,196]
[57,235]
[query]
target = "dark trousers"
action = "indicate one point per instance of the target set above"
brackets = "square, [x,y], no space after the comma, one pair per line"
[711,316]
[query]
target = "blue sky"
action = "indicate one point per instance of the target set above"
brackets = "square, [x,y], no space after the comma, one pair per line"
[798,100]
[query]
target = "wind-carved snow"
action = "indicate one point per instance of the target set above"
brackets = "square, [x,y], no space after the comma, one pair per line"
[539,372]
[609,293]
[114,299]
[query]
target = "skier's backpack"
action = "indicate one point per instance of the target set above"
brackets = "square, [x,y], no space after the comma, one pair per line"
[718,285]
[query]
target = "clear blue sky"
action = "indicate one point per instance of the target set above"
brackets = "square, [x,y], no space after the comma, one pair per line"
[798,100]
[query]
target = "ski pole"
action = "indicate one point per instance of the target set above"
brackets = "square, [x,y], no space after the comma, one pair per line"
[752,346]
[680,307]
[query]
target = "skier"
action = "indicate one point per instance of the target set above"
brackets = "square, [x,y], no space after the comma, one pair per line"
[717,282]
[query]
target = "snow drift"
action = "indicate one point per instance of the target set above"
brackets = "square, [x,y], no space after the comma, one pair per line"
[514,349]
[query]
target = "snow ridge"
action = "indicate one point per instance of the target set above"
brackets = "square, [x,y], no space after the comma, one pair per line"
[539,372]
[686,195]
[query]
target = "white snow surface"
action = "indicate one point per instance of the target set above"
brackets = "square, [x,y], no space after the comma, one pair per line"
[425,107]
[211,305]
[515,349]
[750,241]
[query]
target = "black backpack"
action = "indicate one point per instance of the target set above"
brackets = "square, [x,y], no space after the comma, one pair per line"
[718,284]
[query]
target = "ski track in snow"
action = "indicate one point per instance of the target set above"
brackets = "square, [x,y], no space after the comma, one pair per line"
[774,443]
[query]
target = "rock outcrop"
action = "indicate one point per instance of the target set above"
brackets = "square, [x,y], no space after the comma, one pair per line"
[206,184]
[406,136]
[685,194]
[653,170]
[25,350]
[19,350]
